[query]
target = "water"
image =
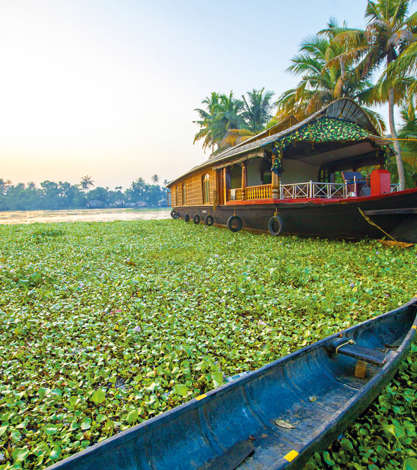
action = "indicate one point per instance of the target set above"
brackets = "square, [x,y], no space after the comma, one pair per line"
[82,215]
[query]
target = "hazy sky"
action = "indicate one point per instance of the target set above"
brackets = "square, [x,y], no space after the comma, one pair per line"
[108,88]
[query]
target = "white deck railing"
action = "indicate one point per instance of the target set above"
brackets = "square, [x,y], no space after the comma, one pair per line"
[311,189]
[307,190]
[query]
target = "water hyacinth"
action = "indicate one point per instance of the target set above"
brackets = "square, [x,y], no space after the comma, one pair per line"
[194,306]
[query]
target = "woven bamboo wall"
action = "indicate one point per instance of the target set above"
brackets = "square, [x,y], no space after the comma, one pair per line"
[193,190]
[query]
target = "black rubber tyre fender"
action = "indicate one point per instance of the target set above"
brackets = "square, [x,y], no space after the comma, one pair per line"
[275,225]
[209,220]
[174,214]
[234,223]
[186,218]
[196,219]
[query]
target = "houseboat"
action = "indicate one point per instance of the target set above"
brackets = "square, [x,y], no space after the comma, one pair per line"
[322,177]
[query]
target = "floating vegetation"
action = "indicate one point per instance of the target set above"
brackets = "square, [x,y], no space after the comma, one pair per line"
[106,325]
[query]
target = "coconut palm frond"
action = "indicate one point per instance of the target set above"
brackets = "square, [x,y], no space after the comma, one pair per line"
[257,105]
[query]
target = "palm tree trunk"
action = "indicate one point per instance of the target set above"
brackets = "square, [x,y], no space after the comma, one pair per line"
[397,150]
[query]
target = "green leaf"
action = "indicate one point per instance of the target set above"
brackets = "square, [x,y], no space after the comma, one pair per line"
[51,429]
[217,377]
[55,453]
[132,417]
[389,429]
[15,435]
[410,464]
[347,445]
[3,429]
[181,389]
[20,454]
[98,397]
[328,459]
[85,424]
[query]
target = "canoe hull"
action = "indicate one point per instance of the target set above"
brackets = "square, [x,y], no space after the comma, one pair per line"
[354,410]
[395,214]
[272,418]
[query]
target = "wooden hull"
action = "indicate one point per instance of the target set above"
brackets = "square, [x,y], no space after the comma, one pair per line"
[395,214]
[272,418]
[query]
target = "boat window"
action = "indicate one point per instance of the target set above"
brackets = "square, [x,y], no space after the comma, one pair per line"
[206,188]
[184,198]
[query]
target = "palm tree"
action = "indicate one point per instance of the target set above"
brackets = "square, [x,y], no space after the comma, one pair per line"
[231,112]
[222,112]
[388,33]
[315,89]
[208,132]
[257,109]
[325,75]
[406,66]
[86,182]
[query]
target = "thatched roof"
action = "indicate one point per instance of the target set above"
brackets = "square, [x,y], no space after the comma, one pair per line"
[342,109]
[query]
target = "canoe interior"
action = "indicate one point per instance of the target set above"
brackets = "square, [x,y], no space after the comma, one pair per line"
[272,418]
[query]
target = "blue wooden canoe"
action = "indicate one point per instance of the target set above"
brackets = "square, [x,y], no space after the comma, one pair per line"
[272,418]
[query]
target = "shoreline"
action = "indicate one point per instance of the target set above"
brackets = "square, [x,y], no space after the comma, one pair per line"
[82,215]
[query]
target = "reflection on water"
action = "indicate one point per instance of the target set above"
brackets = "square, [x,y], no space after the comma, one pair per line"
[82,215]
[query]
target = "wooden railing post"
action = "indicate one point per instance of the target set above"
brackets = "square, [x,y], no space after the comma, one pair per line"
[224,186]
[243,183]
[274,181]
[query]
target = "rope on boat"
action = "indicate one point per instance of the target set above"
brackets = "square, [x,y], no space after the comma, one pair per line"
[371,222]
[349,341]
[405,140]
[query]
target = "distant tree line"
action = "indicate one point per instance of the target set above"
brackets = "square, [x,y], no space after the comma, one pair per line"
[63,195]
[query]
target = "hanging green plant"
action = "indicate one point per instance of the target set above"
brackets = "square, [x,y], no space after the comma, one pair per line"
[277,166]
[321,131]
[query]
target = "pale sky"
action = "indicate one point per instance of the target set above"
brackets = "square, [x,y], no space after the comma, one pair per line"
[108,87]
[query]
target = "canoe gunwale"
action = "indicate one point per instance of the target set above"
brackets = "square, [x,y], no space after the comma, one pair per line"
[353,407]
[364,397]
